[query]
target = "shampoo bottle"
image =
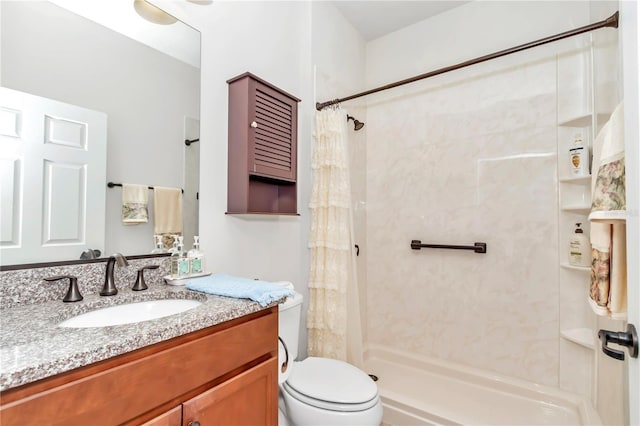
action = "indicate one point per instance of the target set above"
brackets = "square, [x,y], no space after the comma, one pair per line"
[579,248]
[579,157]
[196,257]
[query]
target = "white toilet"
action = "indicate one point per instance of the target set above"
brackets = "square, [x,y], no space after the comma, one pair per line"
[320,391]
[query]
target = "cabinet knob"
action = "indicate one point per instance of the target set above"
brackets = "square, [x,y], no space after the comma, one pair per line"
[254,124]
[194,423]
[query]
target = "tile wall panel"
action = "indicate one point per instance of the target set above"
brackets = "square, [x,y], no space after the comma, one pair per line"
[454,162]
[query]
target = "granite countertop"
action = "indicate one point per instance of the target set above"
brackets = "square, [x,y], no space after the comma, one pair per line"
[32,347]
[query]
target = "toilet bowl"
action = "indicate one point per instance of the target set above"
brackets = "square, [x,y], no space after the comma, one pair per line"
[320,391]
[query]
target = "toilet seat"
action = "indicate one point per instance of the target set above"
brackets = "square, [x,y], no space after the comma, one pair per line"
[331,385]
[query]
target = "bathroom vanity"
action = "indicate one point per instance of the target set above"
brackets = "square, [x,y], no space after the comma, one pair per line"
[219,366]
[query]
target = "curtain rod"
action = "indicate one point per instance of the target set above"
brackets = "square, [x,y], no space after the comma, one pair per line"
[611,21]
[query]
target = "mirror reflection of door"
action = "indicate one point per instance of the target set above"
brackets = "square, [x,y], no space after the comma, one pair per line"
[53,166]
[190,200]
[146,90]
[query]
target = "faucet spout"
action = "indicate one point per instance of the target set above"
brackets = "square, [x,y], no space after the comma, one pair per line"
[109,288]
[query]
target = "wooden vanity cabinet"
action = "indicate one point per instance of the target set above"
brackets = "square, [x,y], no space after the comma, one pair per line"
[222,375]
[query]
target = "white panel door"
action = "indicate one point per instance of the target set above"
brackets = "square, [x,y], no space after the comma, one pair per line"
[53,159]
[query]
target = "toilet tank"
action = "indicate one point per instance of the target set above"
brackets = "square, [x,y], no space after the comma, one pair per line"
[288,330]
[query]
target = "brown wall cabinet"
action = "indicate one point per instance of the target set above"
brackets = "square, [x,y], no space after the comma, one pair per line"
[263,140]
[223,375]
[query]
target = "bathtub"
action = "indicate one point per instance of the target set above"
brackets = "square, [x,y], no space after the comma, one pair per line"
[423,391]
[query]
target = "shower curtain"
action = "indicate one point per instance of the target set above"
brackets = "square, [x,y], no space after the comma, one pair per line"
[333,318]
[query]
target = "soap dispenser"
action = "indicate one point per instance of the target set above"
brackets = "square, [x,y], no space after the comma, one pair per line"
[183,261]
[179,261]
[579,248]
[196,257]
[159,246]
[175,261]
[174,247]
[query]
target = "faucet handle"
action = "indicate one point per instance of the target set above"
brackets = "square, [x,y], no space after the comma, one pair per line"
[73,294]
[140,284]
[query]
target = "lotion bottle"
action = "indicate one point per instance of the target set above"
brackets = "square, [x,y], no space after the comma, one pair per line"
[579,157]
[579,248]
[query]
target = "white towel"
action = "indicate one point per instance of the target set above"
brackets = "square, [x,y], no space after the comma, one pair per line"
[135,202]
[167,208]
[608,290]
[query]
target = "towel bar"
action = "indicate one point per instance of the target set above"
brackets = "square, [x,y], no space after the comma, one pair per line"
[476,247]
[112,184]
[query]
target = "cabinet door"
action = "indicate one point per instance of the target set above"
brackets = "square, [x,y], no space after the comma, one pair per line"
[273,134]
[250,398]
[172,417]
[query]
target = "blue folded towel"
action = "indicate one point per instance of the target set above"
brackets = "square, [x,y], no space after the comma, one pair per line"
[262,292]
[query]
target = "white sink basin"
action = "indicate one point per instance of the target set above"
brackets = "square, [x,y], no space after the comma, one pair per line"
[130,313]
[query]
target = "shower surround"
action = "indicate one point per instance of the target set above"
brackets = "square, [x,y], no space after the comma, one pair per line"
[454,160]
[463,157]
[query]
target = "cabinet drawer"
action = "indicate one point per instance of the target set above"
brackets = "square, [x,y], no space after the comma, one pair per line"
[139,383]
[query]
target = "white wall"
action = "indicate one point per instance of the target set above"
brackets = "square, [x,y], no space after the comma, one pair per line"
[338,54]
[271,40]
[146,95]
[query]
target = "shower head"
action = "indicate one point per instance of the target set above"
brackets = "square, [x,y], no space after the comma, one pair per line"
[357,125]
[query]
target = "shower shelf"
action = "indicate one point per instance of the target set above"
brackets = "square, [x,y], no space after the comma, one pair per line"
[584,120]
[577,208]
[577,268]
[580,336]
[578,180]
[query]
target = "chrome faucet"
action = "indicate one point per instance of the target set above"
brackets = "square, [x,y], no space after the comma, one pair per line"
[109,288]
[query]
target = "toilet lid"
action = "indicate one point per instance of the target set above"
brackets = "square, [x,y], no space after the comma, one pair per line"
[329,383]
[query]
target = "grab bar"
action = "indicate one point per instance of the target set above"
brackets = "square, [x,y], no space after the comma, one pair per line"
[476,247]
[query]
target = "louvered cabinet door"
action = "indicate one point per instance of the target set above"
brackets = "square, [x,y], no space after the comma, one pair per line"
[273,133]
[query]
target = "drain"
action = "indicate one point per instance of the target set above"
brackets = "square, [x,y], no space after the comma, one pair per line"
[373,377]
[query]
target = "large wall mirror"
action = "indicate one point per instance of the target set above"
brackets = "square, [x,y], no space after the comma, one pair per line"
[140,81]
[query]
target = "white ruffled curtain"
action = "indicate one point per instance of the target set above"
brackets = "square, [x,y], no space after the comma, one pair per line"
[333,318]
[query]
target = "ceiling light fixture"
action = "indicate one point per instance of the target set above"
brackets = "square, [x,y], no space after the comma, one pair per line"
[153,13]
